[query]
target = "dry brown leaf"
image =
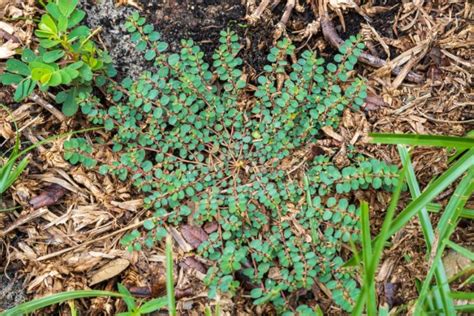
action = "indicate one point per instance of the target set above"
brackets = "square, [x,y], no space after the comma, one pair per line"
[211,227]
[24,218]
[27,250]
[88,215]
[454,263]
[81,262]
[89,183]
[7,27]
[374,10]
[48,177]
[191,263]
[7,50]
[374,102]
[109,270]
[194,235]
[50,196]
[3,4]
[131,3]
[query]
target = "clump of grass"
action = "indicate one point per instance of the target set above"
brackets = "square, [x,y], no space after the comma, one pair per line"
[433,297]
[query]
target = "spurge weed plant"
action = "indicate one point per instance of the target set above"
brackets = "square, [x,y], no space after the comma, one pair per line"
[205,145]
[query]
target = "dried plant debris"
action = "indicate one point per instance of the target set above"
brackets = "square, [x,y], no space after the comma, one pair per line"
[50,196]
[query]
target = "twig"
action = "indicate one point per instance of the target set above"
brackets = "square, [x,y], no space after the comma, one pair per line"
[430,118]
[255,16]
[34,214]
[60,252]
[9,37]
[281,26]
[330,34]
[290,4]
[47,106]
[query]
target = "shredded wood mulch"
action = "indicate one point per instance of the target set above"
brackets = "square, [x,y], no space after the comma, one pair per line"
[65,233]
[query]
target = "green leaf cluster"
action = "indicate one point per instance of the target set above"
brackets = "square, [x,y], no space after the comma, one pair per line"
[10,168]
[66,56]
[203,142]
[78,150]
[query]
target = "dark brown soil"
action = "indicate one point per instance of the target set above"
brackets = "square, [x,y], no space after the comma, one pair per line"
[12,291]
[200,20]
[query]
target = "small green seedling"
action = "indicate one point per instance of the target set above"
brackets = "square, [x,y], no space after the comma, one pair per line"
[67,56]
[10,170]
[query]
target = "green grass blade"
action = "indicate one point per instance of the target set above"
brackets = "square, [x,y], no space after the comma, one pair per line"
[49,139]
[218,309]
[385,234]
[169,277]
[458,153]
[17,172]
[6,169]
[467,213]
[366,294]
[446,227]
[10,208]
[423,140]
[371,298]
[468,308]
[127,297]
[360,303]
[448,220]
[469,296]
[415,193]
[428,233]
[383,311]
[5,173]
[436,208]
[49,300]
[433,190]
[153,305]
[309,201]
[371,262]
[7,177]
[318,311]
[460,249]
[467,270]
